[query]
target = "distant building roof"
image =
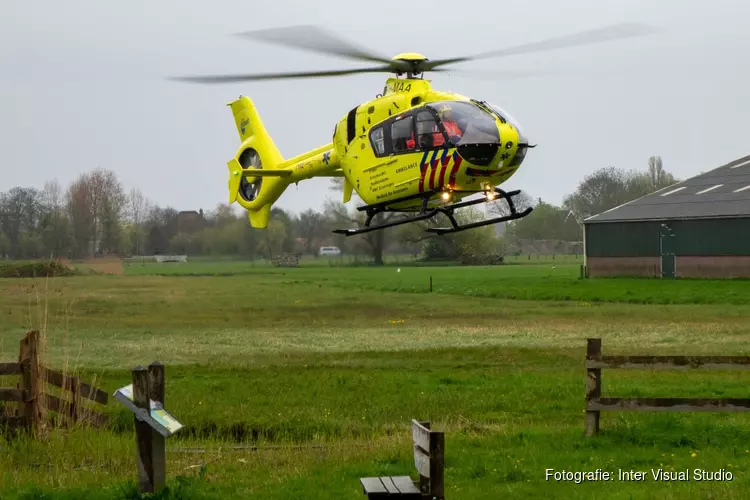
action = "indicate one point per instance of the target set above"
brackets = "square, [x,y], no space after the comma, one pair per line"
[722,192]
[190,220]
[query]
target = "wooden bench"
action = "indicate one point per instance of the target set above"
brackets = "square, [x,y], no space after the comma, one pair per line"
[429,452]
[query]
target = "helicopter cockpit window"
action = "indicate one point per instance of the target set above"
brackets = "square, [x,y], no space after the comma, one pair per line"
[402,135]
[378,141]
[428,133]
[466,123]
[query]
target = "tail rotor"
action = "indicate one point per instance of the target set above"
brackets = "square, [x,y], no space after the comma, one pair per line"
[250,186]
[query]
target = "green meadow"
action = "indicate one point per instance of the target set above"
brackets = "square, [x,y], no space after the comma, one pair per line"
[321,369]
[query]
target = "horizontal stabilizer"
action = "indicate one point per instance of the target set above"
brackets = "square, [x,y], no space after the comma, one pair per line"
[256,172]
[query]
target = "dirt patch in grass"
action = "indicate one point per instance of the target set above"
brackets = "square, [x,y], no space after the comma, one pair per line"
[102,265]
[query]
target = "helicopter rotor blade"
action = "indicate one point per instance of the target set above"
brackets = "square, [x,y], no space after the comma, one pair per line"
[314,39]
[609,33]
[501,74]
[280,76]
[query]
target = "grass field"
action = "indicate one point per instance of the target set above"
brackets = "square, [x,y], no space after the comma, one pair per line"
[323,367]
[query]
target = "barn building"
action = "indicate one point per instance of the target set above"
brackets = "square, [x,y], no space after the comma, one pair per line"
[698,228]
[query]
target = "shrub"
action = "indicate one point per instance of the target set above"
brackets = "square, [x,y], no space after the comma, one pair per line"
[481,259]
[35,269]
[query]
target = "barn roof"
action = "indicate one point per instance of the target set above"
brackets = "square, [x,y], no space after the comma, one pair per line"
[722,192]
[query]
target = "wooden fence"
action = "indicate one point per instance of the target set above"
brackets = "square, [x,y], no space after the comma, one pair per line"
[33,402]
[595,361]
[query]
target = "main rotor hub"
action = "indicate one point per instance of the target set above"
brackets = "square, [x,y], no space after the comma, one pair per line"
[410,57]
[410,63]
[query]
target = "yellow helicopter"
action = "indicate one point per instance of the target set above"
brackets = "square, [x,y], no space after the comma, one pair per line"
[412,149]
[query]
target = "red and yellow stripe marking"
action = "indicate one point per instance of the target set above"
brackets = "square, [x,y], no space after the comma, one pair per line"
[438,180]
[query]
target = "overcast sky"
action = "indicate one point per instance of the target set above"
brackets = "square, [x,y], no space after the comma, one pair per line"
[82,85]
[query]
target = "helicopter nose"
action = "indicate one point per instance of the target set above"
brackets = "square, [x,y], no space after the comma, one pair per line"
[520,155]
[513,136]
[522,137]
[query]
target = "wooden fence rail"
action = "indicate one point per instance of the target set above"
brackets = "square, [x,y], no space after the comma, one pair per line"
[31,398]
[595,404]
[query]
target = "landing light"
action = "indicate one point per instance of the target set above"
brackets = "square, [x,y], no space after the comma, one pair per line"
[446,196]
[490,195]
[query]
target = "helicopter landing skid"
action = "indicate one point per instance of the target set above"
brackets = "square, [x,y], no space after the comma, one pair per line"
[375,209]
[424,214]
[448,211]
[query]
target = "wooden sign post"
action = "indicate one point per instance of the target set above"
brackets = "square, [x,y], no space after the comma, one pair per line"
[153,424]
[143,433]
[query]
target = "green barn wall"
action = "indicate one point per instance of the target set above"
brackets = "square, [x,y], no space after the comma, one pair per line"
[699,237]
[622,239]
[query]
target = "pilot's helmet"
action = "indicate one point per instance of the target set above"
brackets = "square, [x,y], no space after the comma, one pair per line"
[445,112]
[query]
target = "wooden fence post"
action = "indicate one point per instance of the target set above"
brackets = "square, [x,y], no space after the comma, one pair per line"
[437,465]
[75,398]
[158,442]
[143,431]
[593,385]
[29,384]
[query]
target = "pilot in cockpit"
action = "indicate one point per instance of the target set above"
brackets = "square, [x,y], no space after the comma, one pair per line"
[449,123]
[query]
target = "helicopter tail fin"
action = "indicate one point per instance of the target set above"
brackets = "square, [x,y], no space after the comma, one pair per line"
[249,124]
[258,151]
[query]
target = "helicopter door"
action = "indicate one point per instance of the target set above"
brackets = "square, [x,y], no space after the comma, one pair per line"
[411,132]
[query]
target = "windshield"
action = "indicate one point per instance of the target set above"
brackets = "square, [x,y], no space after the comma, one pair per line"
[505,116]
[466,123]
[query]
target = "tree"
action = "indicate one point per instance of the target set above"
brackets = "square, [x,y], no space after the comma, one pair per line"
[333,219]
[56,235]
[610,187]
[248,238]
[22,210]
[604,189]
[375,240]
[474,245]
[658,176]
[53,195]
[546,222]
[78,207]
[165,221]
[108,208]
[471,246]
[138,208]
[309,227]
[96,204]
[222,216]
[499,207]
[272,241]
[156,242]
[287,243]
